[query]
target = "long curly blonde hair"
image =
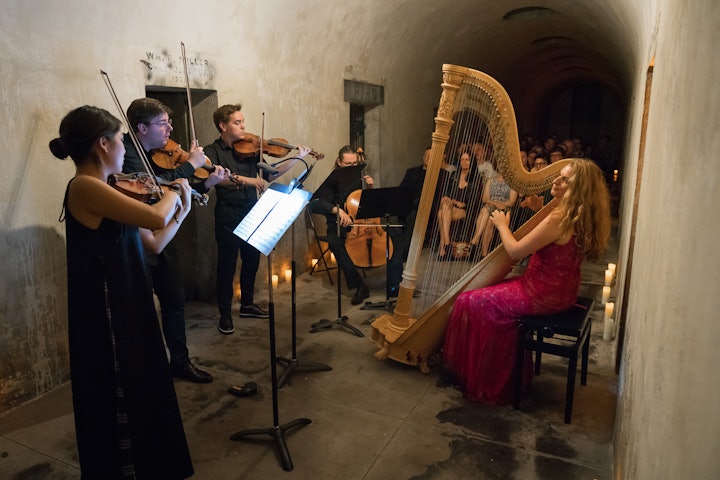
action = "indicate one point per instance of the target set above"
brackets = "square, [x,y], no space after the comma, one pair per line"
[585,208]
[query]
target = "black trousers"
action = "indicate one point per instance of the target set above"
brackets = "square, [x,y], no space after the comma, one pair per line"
[337,247]
[228,247]
[168,286]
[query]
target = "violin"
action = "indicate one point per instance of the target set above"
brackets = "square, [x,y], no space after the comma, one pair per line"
[249,146]
[147,188]
[171,156]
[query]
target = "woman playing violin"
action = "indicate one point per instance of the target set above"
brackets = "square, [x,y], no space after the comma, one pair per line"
[150,120]
[234,201]
[127,419]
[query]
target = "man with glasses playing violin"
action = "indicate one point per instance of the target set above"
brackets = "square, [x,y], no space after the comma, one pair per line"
[151,122]
[234,202]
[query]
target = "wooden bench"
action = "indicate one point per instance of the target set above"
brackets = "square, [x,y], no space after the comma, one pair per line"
[573,329]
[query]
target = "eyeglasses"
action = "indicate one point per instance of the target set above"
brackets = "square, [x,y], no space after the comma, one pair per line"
[349,164]
[163,124]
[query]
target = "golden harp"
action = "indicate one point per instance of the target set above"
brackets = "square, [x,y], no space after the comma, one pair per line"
[474,109]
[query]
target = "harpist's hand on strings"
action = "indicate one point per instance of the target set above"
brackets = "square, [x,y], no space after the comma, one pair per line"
[499,218]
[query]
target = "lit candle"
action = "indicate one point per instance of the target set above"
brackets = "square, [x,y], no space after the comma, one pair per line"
[608,277]
[288,275]
[608,329]
[275,281]
[609,308]
[615,175]
[605,295]
[332,257]
[314,262]
[611,267]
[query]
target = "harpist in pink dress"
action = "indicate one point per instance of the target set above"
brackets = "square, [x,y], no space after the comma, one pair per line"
[481,336]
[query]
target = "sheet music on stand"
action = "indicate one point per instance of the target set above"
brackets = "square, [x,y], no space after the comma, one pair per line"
[272,215]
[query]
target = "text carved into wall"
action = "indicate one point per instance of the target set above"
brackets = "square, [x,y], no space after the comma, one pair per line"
[168,70]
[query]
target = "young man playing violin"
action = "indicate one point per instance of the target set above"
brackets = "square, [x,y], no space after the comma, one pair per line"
[151,122]
[326,201]
[235,199]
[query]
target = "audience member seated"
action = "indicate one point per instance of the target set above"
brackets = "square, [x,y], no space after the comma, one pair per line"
[483,160]
[455,205]
[497,195]
[556,155]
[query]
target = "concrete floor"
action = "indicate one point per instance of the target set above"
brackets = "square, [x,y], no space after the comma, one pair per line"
[370,419]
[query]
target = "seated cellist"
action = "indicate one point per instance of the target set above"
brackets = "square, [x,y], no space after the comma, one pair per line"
[328,200]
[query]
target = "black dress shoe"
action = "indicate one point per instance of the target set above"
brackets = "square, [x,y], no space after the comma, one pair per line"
[247,390]
[225,325]
[190,372]
[253,311]
[360,294]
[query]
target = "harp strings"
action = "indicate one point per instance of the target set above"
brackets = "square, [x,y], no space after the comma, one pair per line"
[474,114]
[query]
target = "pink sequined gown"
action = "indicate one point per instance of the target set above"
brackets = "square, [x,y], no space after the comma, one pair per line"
[480,340]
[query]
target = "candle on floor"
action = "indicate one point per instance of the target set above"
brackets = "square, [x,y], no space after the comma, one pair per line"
[275,281]
[332,257]
[605,295]
[313,262]
[608,278]
[288,275]
[611,267]
[608,329]
[609,308]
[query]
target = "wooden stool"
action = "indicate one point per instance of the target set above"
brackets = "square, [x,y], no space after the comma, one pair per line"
[574,325]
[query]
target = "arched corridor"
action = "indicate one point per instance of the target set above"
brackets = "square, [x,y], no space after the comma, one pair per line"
[319,73]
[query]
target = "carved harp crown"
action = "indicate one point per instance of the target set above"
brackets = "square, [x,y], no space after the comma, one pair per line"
[475,118]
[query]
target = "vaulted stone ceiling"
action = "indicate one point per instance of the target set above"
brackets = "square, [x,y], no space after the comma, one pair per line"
[534,48]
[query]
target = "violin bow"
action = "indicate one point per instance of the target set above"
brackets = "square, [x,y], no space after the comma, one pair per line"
[193,137]
[131,132]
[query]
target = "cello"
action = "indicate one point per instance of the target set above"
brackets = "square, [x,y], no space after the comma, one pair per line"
[366,242]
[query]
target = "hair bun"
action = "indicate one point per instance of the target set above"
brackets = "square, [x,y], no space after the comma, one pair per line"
[57,147]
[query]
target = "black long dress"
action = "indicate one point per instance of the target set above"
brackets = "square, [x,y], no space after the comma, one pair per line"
[127,418]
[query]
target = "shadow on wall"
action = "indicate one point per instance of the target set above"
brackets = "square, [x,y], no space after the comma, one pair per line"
[33,314]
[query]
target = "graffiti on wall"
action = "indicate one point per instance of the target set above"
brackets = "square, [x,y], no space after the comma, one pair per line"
[167,69]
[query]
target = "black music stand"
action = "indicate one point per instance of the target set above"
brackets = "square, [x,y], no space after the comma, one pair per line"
[341,320]
[385,203]
[292,364]
[262,227]
[342,180]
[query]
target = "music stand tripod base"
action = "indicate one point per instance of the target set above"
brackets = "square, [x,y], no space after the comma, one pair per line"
[294,364]
[324,325]
[277,434]
[388,305]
